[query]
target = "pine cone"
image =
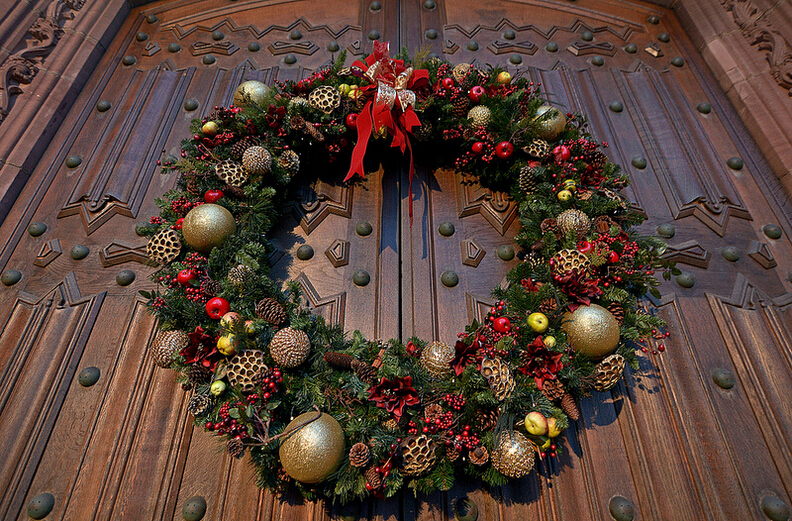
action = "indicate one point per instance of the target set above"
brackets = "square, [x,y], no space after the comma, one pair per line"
[367,373]
[165,344]
[460,106]
[603,223]
[238,148]
[487,333]
[432,412]
[548,226]
[299,123]
[290,162]
[199,405]
[390,425]
[573,220]
[338,360]
[486,419]
[260,377]
[257,160]
[553,390]
[452,454]
[271,310]
[498,376]
[423,133]
[186,386]
[480,456]
[210,287]
[570,407]
[596,159]
[527,180]
[240,275]
[617,311]
[198,374]
[359,455]
[193,188]
[234,192]
[235,447]
[290,347]
[548,306]
[373,478]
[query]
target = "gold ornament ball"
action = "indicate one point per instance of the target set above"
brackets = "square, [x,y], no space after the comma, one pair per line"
[313,452]
[436,359]
[513,455]
[207,226]
[592,330]
[551,122]
[250,94]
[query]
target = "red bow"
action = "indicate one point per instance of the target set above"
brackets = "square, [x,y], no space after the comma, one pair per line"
[391,107]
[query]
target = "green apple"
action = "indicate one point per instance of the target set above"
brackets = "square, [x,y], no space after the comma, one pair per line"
[218,387]
[536,423]
[552,427]
[210,129]
[538,322]
[227,344]
[549,341]
[227,321]
[250,327]
[504,78]
[564,195]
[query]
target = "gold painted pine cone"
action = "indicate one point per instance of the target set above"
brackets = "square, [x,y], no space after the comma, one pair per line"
[256,160]
[199,405]
[608,372]
[240,275]
[289,161]
[166,344]
[289,347]
[480,115]
[570,260]
[436,358]
[243,368]
[573,220]
[498,376]
[164,246]
[527,180]
[418,455]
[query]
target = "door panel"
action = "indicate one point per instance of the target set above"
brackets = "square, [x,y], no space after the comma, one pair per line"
[669,439]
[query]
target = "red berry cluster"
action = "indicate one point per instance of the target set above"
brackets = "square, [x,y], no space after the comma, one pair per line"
[270,386]
[159,303]
[455,401]
[466,440]
[156,220]
[182,205]
[228,425]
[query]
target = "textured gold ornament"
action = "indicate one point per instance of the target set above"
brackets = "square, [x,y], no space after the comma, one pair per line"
[250,94]
[513,456]
[312,452]
[550,122]
[570,260]
[591,330]
[207,226]
[480,115]
[436,359]
[290,162]
[418,455]
[573,220]
[256,160]
[164,246]
[289,347]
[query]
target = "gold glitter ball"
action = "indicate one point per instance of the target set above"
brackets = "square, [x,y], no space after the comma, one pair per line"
[513,456]
[436,359]
[207,226]
[592,330]
[550,122]
[313,452]
[250,94]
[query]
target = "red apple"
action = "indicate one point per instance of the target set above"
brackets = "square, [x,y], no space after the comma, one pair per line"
[351,121]
[502,325]
[185,277]
[585,247]
[213,195]
[613,257]
[561,153]
[504,150]
[477,148]
[179,223]
[475,94]
[216,307]
[447,83]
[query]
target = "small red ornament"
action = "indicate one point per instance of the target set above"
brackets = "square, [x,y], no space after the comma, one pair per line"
[502,325]
[179,223]
[212,196]
[475,94]
[585,247]
[217,307]
[613,257]
[477,148]
[351,121]
[185,277]
[504,150]
[448,83]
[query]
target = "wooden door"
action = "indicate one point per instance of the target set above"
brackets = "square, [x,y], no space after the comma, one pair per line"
[669,441]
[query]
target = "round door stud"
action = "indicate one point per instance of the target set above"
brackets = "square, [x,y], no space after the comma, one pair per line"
[41,505]
[505,252]
[631,48]
[775,509]
[723,378]
[305,252]
[194,509]
[361,278]
[11,277]
[190,105]
[465,509]
[73,161]
[686,280]
[364,229]
[88,376]
[125,277]
[638,162]
[174,47]
[621,509]
[449,279]
[36,229]
[666,230]
[616,106]
[333,47]
[735,163]
[102,106]
[731,253]
[551,47]
[773,231]
[704,107]
[79,252]
[446,229]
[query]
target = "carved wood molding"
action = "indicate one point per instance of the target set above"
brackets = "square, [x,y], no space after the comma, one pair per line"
[760,32]
[22,66]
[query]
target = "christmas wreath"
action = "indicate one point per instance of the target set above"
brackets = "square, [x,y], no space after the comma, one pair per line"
[343,417]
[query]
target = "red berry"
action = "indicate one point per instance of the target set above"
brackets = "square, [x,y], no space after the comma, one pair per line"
[212,196]
[179,223]
[613,257]
[504,150]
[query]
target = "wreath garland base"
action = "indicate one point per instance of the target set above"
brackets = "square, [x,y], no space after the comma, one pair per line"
[340,416]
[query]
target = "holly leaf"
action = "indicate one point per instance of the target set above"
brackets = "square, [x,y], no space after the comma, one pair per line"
[234,413]
[249,411]
[655,293]
[146,294]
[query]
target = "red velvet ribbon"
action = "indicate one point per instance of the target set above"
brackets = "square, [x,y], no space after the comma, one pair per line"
[376,114]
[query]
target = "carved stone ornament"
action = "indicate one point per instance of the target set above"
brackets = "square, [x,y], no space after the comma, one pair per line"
[22,66]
